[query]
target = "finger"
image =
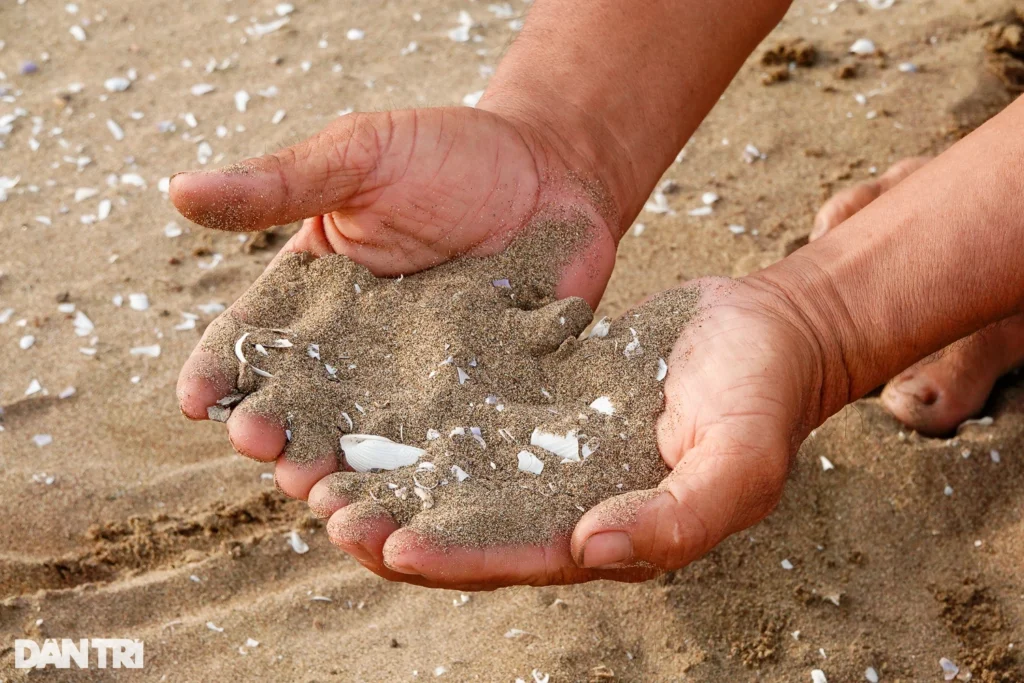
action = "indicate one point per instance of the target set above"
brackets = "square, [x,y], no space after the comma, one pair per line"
[411,554]
[296,479]
[314,177]
[714,491]
[204,379]
[256,436]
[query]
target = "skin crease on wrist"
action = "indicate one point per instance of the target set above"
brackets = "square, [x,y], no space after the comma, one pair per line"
[931,261]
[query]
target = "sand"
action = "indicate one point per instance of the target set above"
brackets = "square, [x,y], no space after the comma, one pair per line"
[142,501]
[470,362]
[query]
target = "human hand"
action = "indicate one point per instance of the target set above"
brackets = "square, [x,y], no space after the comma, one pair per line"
[745,385]
[397,192]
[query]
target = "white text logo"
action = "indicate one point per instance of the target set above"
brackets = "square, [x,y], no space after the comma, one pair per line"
[86,653]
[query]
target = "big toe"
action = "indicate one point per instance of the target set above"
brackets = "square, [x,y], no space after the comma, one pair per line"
[936,395]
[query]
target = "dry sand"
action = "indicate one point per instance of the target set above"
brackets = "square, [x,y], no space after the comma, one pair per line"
[152,528]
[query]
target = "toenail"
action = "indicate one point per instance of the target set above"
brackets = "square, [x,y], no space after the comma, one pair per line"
[921,390]
[607,549]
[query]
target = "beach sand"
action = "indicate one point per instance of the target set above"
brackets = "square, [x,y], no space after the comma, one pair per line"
[134,522]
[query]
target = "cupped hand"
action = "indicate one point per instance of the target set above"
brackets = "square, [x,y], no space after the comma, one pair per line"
[397,192]
[744,388]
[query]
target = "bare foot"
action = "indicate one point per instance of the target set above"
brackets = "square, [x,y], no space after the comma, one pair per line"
[942,391]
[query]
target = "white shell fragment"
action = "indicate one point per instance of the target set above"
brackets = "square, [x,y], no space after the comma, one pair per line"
[818,676]
[662,370]
[949,669]
[366,452]
[603,405]
[600,329]
[870,675]
[463,376]
[863,47]
[83,326]
[218,413]
[313,351]
[115,130]
[151,351]
[528,462]
[257,30]
[296,543]
[117,84]
[881,4]
[26,342]
[201,89]
[42,440]
[425,496]
[633,348]
[460,473]
[138,302]
[241,101]
[566,447]
[826,464]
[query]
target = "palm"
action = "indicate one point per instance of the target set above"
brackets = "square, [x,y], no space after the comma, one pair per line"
[403,191]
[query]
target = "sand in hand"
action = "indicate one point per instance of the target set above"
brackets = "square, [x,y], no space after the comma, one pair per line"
[465,400]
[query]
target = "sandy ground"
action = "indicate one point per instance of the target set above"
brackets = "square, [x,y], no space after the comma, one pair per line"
[133,522]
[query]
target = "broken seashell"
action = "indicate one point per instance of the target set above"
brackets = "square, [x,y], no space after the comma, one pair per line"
[296,542]
[366,452]
[863,47]
[603,405]
[478,435]
[348,420]
[218,413]
[565,447]
[463,376]
[313,350]
[460,473]
[280,344]
[424,495]
[662,369]
[528,462]
[633,348]
[433,434]
[600,330]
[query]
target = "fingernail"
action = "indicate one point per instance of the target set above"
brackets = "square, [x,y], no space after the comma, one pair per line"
[607,549]
[400,569]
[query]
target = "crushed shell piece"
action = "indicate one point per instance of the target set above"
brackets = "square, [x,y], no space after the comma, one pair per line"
[366,452]
[528,462]
[566,447]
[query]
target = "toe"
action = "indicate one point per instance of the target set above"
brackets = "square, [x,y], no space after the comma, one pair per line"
[205,379]
[851,200]
[296,479]
[936,395]
[256,436]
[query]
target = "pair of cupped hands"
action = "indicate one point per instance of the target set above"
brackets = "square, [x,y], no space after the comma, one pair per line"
[402,191]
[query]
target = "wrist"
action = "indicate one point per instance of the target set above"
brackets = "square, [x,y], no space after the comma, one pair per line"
[804,296]
[584,144]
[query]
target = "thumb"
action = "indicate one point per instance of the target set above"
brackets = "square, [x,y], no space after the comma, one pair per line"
[314,177]
[714,491]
